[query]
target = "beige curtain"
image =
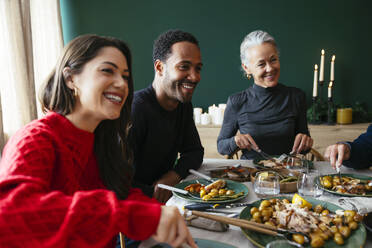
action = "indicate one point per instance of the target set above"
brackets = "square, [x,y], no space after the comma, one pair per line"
[30,42]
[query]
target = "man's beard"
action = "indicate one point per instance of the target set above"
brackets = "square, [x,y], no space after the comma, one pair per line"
[174,90]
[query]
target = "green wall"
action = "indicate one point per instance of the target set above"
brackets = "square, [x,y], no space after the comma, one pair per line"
[301,29]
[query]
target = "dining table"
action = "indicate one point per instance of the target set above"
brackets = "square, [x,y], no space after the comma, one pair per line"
[234,235]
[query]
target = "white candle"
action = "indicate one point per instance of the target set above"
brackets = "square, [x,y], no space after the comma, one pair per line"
[321,70]
[332,78]
[218,118]
[222,105]
[315,84]
[197,115]
[330,89]
[212,113]
[205,119]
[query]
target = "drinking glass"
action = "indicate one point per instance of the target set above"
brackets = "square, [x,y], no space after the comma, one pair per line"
[282,244]
[307,186]
[266,184]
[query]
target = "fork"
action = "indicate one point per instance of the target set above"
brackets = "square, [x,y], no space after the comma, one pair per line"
[338,170]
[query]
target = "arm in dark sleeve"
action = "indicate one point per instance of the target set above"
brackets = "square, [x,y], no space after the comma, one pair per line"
[225,141]
[301,122]
[191,151]
[361,151]
[137,136]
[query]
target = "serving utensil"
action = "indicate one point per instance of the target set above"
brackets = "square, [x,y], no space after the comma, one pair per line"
[251,225]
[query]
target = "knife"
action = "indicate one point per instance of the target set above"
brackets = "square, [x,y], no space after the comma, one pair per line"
[264,154]
[196,173]
[203,206]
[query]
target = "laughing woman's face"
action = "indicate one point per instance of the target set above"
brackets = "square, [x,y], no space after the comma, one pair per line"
[102,87]
[264,65]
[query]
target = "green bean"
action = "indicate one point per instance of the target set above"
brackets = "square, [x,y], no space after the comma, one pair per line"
[226,197]
[288,179]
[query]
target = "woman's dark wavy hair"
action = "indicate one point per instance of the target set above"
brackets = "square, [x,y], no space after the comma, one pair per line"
[111,136]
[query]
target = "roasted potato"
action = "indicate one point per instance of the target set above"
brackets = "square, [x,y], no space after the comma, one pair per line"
[298,238]
[338,239]
[345,231]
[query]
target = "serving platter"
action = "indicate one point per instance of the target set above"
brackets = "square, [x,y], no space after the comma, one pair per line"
[236,186]
[356,239]
[355,176]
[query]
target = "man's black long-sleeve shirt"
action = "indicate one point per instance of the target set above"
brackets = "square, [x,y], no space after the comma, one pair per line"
[158,136]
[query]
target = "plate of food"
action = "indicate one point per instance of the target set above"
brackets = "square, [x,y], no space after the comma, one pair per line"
[351,185]
[219,191]
[287,179]
[325,224]
[239,174]
[282,162]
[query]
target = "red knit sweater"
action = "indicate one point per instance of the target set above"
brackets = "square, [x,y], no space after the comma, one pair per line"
[51,194]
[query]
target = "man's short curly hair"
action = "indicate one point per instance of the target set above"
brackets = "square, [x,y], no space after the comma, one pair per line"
[163,44]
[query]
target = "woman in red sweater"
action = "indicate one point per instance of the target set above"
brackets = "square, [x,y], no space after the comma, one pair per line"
[65,178]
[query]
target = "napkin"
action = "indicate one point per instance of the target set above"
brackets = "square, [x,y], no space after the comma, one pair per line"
[207,224]
[362,204]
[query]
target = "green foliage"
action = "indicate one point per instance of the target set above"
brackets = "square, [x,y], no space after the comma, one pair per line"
[321,112]
[360,112]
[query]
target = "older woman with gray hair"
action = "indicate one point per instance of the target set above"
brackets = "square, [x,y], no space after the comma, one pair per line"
[268,115]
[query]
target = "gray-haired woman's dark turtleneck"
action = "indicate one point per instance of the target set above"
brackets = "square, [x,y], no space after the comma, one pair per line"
[272,116]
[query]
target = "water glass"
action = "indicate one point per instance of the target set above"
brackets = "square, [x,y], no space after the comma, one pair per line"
[307,186]
[266,184]
[282,244]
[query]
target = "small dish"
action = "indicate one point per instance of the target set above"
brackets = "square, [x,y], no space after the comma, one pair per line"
[285,186]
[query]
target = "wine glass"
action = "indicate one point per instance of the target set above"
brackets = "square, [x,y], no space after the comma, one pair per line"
[266,184]
[307,185]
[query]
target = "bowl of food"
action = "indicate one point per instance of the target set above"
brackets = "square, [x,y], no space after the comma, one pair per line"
[287,179]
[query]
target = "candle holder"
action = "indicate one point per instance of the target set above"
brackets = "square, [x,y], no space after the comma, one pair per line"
[321,91]
[315,114]
[330,113]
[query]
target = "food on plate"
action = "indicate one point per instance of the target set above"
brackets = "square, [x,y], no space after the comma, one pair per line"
[240,174]
[214,191]
[347,185]
[314,222]
[297,199]
[281,162]
[219,184]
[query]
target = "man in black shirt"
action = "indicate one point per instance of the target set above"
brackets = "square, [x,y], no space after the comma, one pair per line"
[165,141]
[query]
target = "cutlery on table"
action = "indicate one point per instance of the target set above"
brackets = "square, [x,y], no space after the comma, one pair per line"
[206,206]
[196,173]
[174,189]
[224,167]
[338,170]
[264,154]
